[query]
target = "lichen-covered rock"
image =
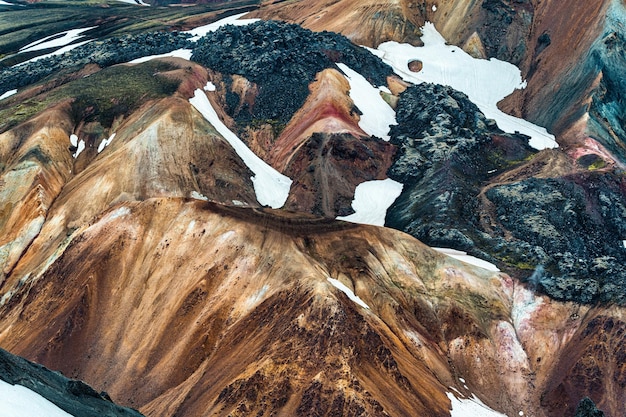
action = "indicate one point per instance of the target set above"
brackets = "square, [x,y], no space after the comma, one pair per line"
[446,150]
[282,59]
[587,408]
[564,235]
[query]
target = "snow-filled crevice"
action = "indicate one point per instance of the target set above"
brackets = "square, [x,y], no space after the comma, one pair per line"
[377,116]
[347,291]
[270,186]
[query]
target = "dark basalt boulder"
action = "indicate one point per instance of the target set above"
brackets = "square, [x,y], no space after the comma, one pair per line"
[282,59]
[74,397]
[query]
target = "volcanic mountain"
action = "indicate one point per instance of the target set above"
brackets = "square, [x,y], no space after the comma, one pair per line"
[235,209]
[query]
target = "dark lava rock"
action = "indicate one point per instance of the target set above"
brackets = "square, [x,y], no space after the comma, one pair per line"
[564,235]
[587,408]
[282,59]
[447,149]
[74,397]
[580,223]
[102,52]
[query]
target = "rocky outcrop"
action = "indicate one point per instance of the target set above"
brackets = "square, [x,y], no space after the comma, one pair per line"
[104,53]
[568,229]
[586,408]
[282,60]
[446,151]
[72,396]
[575,226]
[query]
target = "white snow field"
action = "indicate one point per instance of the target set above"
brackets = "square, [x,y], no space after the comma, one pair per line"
[56,40]
[485,82]
[57,52]
[179,53]
[464,257]
[141,2]
[347,291]
[471,407]
[270,186]
[19,401]
[211,27]
[8,94]
[371,201]
[377,114]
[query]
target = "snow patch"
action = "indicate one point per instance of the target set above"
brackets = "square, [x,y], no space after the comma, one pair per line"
[57,52]
[105,143]
[470,407]
[74,140]
[79,148]
[179,53]
[347,291]
[8,94]
[4,3]
[377,115]
[434,8]
[136,3]
[256,298]
[198,196]
[211,27]
[624,243]
[270,186]
[485,82]
[209,86]
[225,236]
[371,201]
[18,400]
[56,40]
[464,257]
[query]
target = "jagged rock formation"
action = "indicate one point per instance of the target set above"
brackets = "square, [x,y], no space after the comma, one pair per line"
[74,397]
[451,161]
[282,60]
[586,408]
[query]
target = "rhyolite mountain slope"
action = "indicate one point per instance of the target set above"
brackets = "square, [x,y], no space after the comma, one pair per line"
[136,256]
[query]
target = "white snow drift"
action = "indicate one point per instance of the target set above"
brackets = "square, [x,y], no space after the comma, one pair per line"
[471,407]
[56,40]
[464,257]
[271,187]
[8,94]
[19,401]
[347,291]
[211,27]
[485,82]
[371,201]
[377,114]
[178,53]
